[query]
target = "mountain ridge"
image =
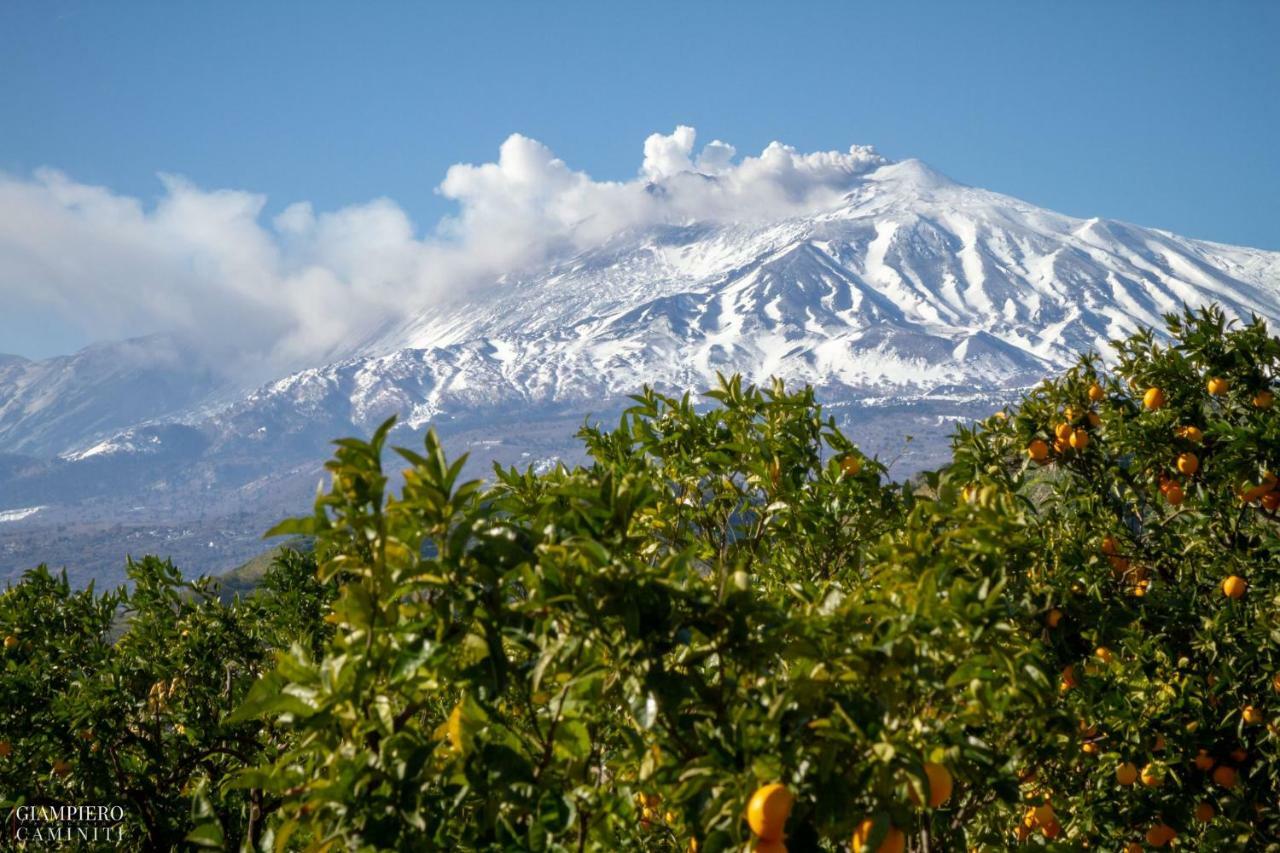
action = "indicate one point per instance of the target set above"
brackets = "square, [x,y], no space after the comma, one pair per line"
[913,297]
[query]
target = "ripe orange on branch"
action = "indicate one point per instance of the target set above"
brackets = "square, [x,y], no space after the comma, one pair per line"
[768,810]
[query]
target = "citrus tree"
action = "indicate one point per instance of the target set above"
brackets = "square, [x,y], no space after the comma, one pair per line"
[1153,498]
[727,630]
[120,698]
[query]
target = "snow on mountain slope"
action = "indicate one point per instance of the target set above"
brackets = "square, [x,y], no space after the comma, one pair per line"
[910,302]
[912,285]
[50,406]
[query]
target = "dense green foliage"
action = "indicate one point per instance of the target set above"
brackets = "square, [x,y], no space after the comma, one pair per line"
[616,656]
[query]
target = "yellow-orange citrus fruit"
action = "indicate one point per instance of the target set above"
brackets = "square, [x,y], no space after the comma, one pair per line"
[1079,439]
[1160,835]
[1234,586]
[1203,760]
[1271,501]
[940,784]
[1104,654]
[1152,777]
[768,811]
[1069,677]
[1190,433]
[1127,773]
[894,841]
[1153,399]
[1204,812]
[1089,748]
[1238,755]
[1188,463]
[1251,715]
[1055,616]
[1038,450]
[6,749]
[1052,829]
[1043,814]
[1094,419]
[1096,393]
[1225,776]
[1158,743]
[1060,447]
[1218,386]
[1174,494]
[1062,431]
[851,465]
[769,845]
[1110,545]
[10,641]
[1264,399]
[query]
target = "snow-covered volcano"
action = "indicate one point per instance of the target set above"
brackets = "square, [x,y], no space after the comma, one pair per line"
[912,285]
[906,288]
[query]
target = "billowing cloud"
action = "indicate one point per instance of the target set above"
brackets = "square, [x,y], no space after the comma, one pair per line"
[307,285]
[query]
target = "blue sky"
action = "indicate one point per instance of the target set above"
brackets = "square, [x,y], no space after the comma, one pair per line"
[1161,113]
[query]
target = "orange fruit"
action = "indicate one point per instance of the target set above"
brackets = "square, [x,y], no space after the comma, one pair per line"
[1190,433]
[1068,678]
[1127,773]
[1204,812]
[1089,748]
[1263,399]
[1110,545]
[1133,847]
[1239,755]
[1271,501]
[1225,776]
[851,465]
[1052,829]
[1153,399]
[940,784]
[1160,835]
[1060,447]
[1152,777]
[1275,682]
[1158,743]
[1096,393]
[767,845]
[10,641]
[6,749]
[1038,450]
[1234,587]
[1054,616]
[1104,654]
[1203,760]
[1094,419]
[1174,494]
[1251,715]
[894,841]
[1188,463]
[1218,386]
[768,811]
[1063,432]
[1079,439]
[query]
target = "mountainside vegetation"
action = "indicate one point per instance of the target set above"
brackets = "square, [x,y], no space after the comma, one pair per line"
[728,631]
